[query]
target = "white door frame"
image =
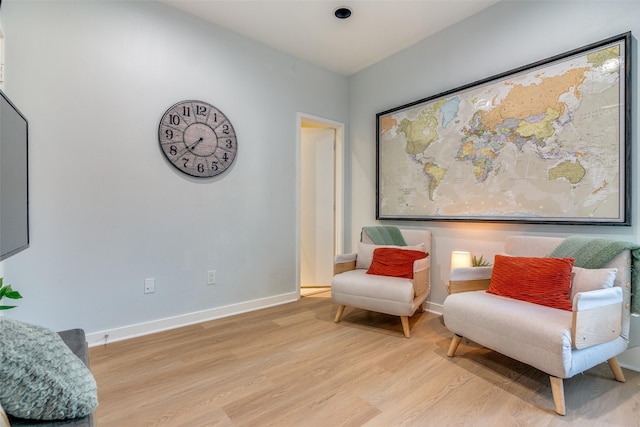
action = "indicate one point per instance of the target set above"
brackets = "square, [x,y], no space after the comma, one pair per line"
[307,119]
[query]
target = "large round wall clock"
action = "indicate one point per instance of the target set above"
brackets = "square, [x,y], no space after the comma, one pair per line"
[197,138]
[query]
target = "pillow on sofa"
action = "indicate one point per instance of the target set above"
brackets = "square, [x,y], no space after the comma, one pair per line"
[365,252]
[544,281]
[394,262]
[41,377]
[586,279]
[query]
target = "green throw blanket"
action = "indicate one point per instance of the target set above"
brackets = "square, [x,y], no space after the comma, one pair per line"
[385,235]
[590,252]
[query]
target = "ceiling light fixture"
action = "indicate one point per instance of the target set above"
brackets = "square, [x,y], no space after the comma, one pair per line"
[342,12]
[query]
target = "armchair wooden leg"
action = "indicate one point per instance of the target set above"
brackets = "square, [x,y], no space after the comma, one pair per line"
[557,390]
[617,371]
[455,342]
[339,313]
[405,326]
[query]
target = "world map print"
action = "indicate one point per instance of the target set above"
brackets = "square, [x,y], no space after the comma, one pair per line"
[546,143]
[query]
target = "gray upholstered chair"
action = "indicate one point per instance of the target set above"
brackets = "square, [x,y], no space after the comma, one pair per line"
[353,287]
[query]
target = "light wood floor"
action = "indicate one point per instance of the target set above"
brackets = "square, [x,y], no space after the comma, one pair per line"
[291,365]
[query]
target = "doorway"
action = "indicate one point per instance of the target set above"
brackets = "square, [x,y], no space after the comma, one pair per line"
[320,184]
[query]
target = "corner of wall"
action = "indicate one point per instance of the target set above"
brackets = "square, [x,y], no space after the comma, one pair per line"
[630,359]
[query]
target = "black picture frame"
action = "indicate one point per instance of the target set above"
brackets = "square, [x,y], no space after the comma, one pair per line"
[549,142]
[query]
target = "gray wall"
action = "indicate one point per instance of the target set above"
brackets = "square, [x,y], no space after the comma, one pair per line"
[107,210]
[503,37]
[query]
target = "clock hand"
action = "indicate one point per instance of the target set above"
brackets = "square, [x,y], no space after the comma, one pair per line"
[196,143]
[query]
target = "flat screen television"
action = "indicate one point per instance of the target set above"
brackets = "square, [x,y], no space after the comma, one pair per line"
[14,179]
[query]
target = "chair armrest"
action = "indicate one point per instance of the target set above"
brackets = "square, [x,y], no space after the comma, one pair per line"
[340,258]
[469,279]
[421,283]
[344,262]
[597,317]
[421,264]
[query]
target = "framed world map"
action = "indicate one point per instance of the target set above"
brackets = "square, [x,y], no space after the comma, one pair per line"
[545,143]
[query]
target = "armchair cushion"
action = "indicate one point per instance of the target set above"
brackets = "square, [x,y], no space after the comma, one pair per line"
[365,252]
[394,262]
[534,334]
[544,281]
[384,294]
[586,279]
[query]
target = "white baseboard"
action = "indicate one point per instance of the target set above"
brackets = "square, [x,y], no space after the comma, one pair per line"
[146,328]
[630,359]
[433,308]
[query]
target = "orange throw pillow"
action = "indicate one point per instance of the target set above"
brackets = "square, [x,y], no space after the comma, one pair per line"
[394,262]
[544,281]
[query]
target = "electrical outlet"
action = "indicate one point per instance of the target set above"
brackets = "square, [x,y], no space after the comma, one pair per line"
[211,277]
[149,286]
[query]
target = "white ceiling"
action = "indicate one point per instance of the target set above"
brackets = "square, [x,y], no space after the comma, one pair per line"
[308,29]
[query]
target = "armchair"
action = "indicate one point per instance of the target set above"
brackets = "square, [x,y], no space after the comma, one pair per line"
[594,328]
[398,296]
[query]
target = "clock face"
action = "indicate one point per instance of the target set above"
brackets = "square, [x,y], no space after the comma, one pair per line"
[197,138]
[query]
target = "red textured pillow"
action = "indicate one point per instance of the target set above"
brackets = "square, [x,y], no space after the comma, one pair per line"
[394,262]
[544,281]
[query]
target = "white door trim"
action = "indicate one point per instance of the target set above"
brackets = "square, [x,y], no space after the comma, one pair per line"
[308,119]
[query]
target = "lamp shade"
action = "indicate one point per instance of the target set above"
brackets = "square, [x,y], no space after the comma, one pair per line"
[460,259]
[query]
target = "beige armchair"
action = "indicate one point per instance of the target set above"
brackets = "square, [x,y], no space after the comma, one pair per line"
[561,343]
[398,296]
